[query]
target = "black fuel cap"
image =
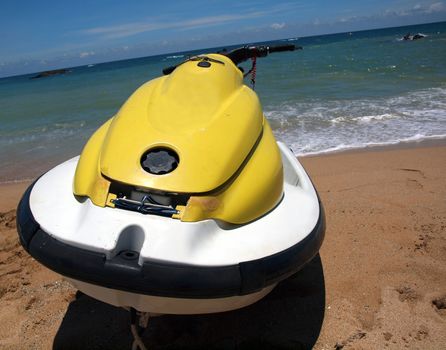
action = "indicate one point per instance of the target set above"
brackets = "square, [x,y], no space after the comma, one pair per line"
[160,161]
[204,64]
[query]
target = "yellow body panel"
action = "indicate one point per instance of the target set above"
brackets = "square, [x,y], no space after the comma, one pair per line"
[88,180]
[206,115]
[256,190]
[229,165]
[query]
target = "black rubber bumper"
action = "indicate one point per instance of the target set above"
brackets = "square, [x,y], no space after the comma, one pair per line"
[162,278]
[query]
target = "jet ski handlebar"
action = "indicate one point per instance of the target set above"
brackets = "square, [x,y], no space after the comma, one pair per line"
[244,53]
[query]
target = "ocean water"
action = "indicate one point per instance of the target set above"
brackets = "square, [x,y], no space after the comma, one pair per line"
[342,91]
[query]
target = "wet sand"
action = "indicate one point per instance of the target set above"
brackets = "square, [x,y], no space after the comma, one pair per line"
[379,282]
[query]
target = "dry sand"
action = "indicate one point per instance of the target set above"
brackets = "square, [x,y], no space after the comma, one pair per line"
[379,282]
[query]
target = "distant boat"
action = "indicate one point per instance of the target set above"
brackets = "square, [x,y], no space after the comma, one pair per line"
[409,37]
[50,73]
[90,65]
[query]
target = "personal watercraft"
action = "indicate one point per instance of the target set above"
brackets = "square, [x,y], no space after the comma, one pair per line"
[409,37]
[181,203]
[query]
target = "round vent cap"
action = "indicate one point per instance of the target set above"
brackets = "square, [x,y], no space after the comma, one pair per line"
[159,161]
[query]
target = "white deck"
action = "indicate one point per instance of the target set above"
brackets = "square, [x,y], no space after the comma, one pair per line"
[202,243]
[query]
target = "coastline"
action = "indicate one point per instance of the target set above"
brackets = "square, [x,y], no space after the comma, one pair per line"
[422,143]
[378,281]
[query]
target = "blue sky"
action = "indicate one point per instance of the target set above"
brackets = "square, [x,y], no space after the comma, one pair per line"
[41,35]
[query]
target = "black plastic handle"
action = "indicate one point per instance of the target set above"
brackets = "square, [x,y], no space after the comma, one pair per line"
[244,53]
[168,70]
[282,48]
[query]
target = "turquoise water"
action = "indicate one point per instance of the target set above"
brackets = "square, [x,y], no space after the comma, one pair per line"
[342,91]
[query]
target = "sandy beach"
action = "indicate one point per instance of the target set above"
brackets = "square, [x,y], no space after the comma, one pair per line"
[378,283]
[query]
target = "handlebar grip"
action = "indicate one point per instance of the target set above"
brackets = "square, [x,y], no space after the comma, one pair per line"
[282,48]
[168,70]
[244,53]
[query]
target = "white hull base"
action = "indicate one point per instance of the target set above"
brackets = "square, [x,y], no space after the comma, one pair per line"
[164,305]
[193,268]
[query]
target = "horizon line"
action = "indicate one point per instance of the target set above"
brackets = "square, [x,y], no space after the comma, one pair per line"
[210,48]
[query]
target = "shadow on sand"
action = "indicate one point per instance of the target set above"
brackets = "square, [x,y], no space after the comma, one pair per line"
[290,317]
